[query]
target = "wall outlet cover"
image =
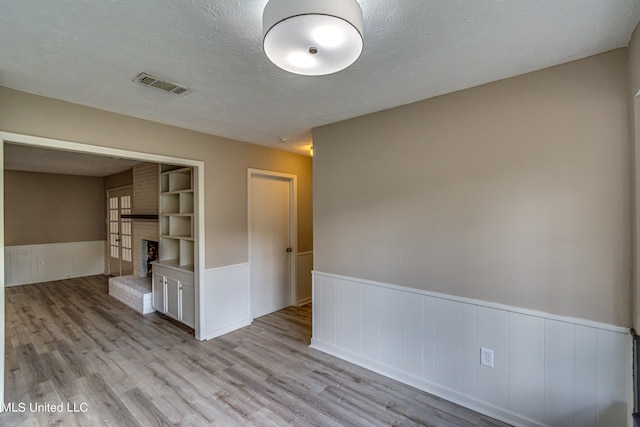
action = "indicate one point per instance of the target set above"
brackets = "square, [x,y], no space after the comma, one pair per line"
[486,357]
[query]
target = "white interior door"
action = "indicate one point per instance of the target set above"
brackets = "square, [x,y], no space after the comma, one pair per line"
[120,232]
[271,243]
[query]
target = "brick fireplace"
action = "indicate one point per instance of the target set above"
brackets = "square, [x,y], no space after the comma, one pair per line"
[145,201]
[135,290]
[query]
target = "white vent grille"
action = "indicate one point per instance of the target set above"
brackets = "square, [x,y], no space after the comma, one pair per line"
[155,82]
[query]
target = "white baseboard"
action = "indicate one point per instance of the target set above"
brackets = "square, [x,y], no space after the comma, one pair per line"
[549,369]
[430,387]
[27,264]
[305,301]
[210,334]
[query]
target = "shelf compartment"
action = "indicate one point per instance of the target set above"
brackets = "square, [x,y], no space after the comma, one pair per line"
[164,225]
[186,202]
[176,180]
[180,226]
[169,248]
[164,183]
[170,203]
[186,253]
[177,252]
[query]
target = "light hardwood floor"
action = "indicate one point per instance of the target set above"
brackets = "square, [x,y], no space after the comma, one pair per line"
[69,343]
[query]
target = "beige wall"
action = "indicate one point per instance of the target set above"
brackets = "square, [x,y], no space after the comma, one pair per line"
[633,55]
[514,192]
[119,180]
[226,162]
[48,208]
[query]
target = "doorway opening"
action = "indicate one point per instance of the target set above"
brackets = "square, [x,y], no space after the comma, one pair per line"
[87,149]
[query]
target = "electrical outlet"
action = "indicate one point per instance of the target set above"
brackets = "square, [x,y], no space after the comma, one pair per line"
[486,357]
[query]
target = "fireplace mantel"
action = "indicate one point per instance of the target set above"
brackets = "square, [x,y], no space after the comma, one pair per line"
[141,217]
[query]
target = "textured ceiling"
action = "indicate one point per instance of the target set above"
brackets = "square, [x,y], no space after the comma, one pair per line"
[35,159]
[88,52]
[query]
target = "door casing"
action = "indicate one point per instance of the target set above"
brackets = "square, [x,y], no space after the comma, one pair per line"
[293,222]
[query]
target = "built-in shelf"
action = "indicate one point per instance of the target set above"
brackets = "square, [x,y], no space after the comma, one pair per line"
[173,272]
[176,217]
[174,179]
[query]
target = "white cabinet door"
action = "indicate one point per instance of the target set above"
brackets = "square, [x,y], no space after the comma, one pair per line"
[158,293]
[187,305]
[173,298]
[174,294]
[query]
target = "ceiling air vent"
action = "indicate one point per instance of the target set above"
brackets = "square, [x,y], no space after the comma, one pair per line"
[149,80]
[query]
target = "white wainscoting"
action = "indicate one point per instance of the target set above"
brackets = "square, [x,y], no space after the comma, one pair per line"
[225,305]
[304,267]
[549,370]
[26,264]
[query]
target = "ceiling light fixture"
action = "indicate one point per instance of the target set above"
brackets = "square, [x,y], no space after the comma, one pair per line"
[312,37]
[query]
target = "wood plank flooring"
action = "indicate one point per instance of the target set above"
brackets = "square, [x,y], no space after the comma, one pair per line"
[68,343]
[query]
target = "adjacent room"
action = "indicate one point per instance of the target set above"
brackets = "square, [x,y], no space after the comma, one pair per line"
[327,212]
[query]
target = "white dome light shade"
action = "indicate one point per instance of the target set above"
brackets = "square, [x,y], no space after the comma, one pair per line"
[313,37]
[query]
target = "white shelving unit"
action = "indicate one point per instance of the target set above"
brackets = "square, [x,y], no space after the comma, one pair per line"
[173,284]
[176,217]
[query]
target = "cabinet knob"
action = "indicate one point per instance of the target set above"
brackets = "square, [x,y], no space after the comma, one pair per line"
[289,249]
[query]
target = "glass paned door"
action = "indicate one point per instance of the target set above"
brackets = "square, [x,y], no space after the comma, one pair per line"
[120,232]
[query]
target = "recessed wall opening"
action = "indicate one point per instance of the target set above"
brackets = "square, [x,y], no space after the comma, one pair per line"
[105,152]
[148,255]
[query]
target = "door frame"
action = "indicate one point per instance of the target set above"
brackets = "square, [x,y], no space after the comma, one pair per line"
[293,225]
[199,224]
[108,244]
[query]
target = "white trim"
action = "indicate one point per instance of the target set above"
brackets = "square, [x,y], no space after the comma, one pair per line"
[214,333]
[305,301]
[496,306]
[293,221]
[422,384]
[305,253]
[16,138]
[225,304]
[198,166]
[199,246]
[2,273]
[226,267]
